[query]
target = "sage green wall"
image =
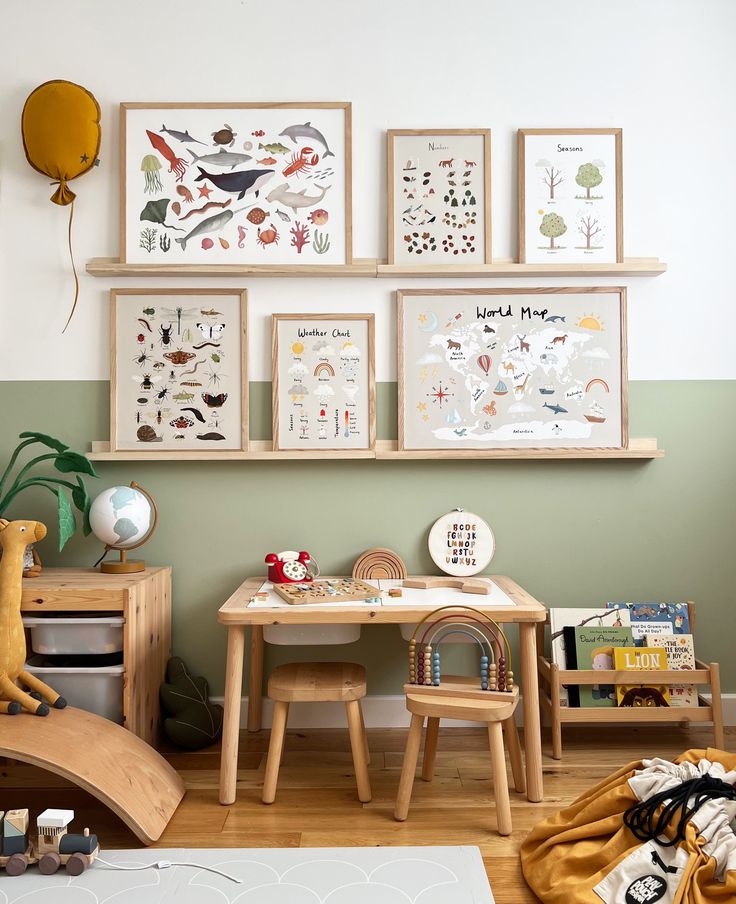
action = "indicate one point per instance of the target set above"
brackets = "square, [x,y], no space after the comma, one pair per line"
[571,532]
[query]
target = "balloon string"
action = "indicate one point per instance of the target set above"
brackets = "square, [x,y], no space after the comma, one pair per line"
[74,269]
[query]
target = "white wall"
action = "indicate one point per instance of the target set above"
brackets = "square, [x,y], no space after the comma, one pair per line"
[664,70]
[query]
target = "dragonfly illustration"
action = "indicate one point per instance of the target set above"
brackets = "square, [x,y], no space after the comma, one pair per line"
[178,313]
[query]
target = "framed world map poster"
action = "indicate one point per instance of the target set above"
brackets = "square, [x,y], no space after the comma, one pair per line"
[512,368]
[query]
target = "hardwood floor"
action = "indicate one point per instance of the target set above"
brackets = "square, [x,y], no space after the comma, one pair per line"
[317,806]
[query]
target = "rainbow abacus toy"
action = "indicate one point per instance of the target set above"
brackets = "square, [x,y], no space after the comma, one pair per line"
[495,654]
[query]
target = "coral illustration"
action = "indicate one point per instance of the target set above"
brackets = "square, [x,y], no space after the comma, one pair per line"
[148,239]
[164,242]
[299,236]
[321,242]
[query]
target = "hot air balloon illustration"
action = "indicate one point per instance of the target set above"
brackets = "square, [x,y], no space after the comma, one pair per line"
[485,363]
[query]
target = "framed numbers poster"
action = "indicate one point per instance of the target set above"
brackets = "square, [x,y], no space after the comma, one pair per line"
[178,376]
[512,368]
[236,183]
[323,381]
[570,196]
[439,196]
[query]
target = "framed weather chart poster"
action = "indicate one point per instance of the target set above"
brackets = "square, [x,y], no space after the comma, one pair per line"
[238,183]
[570,196]
[439,197]
[323,377]
[491,369]
[178,375]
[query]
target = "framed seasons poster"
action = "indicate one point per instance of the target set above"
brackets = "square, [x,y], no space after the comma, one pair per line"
[323,379]
[512,368]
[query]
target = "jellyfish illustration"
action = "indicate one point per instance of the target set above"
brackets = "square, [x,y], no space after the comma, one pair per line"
[150,166]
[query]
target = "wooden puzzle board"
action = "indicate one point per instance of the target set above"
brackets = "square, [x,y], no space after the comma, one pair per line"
[339,590]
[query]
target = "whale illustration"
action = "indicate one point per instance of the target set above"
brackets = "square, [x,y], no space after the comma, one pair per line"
[555,409]
[295,199]
[211,224]
[307,130]
[239,184]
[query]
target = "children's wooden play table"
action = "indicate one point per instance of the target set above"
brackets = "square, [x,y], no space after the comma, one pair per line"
[507,603]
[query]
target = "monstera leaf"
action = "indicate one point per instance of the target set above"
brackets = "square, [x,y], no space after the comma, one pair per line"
[67,524]
[69,462]
[193,721]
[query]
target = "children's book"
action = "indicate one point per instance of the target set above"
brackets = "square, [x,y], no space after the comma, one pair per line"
[594,650]
[638,658]
[653,619]
[559,617]
[680,651]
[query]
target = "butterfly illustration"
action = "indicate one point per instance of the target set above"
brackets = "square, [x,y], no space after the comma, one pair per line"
[211,330]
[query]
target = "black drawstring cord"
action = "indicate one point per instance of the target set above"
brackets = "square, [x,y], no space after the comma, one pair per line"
[646,824]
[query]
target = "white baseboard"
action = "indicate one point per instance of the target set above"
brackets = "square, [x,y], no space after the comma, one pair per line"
[387,711]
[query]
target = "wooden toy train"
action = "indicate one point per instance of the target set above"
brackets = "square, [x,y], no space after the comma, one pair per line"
[54,847]
[495,655]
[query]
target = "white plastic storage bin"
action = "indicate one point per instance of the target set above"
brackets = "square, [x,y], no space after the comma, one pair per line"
[308,635]
[75,636]
[98,688]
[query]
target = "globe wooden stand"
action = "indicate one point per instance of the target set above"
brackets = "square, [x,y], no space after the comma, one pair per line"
[124,565]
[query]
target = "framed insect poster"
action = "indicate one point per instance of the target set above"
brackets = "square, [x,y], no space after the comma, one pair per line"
[439,196]
[237,183]
[570,196]
[324,392]
[178,374]
[512,368]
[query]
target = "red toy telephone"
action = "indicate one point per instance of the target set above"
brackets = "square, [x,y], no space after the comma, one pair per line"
[288,567]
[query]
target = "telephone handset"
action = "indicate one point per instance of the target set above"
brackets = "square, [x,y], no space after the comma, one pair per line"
[289,567]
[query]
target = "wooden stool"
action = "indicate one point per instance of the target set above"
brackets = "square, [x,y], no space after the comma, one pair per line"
[309,682]
[494,712]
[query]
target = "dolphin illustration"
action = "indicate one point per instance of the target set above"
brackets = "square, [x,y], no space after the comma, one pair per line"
[211,224]
[307,130]
[222,158]
[555,409]
[553,319]
[237,183]
[180,136]
[295,199]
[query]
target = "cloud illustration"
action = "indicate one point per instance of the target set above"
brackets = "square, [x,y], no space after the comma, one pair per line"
[596,353]
[429,358]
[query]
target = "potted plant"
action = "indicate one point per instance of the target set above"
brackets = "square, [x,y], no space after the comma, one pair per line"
[67,462]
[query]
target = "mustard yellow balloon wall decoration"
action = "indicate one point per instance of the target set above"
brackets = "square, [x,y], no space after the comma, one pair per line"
[61,139]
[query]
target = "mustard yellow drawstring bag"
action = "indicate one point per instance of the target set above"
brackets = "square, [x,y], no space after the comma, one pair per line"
[655,832]
[61,138]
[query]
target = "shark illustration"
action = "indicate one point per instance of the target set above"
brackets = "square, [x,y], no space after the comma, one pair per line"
[555,318]
[241,183]
[222,158]
[555,409]
[293,199]
[307,130]
[180,136]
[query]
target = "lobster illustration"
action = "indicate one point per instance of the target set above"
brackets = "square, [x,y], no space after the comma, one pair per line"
[176,164]
[301,162]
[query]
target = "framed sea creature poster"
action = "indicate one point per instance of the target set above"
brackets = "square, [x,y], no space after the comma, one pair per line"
[178,374]
[439,196]
[323,375]
[570,196]
[512,368]
[236,183]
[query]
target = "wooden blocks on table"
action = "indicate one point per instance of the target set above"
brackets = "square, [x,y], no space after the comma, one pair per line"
[377,563]
[464,585]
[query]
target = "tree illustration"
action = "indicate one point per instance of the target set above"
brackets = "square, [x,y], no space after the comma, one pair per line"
[552,227]
[588,227]
[552,178]
[589,176]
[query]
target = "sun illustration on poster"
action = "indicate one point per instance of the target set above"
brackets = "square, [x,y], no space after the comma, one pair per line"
[297,348]
[591,322]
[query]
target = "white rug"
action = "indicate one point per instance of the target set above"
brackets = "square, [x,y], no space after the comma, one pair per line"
[410,875]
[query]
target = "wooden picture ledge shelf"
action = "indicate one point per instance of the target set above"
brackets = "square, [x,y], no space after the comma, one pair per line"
[370,268]
[262,450]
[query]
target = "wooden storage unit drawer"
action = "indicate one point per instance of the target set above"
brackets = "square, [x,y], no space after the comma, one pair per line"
[144,601]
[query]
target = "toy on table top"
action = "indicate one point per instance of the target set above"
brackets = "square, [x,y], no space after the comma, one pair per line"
[336,590]
[290,567]
[495,660]
[379,563]
[461,543]
[14,537]
[54,846]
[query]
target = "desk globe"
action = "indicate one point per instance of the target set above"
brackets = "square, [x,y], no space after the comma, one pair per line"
[123,518]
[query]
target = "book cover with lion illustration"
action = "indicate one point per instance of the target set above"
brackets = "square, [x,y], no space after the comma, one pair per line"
[641,659]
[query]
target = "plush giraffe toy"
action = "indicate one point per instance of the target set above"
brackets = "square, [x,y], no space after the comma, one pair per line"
[14,537]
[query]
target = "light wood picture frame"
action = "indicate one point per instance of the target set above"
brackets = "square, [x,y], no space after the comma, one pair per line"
[570,195]
[323,380]
[520,368]
[179,370]
[439,197]
[275,179]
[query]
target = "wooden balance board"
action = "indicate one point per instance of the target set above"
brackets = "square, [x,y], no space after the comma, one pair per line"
[341,590]
[103,758]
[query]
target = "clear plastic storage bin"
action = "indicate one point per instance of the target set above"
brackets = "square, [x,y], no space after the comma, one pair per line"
[93,683]
[88,636]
